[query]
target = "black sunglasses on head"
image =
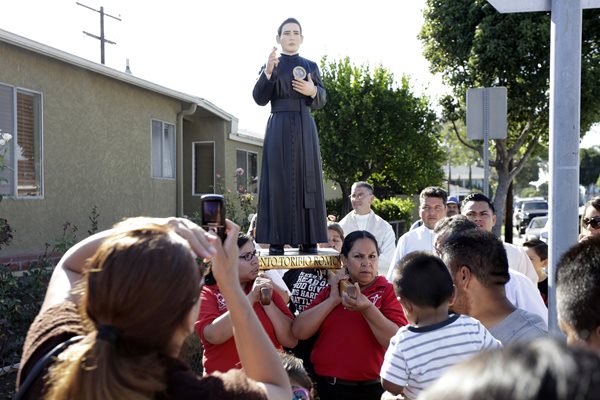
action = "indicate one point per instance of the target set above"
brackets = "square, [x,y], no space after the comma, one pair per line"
[594,222]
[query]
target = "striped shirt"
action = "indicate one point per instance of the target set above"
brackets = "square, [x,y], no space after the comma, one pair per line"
[417,356]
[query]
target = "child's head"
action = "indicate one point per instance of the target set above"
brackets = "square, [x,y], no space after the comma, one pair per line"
[298,377]
[537,251]
[423,280]
[577,293]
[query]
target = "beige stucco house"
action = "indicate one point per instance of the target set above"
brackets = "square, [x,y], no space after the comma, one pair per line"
[86,135]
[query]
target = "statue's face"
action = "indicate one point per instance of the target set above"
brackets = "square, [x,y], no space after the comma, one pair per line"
[290,39]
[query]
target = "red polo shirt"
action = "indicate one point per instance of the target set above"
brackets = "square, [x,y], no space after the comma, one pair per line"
[223,357]
[346,347]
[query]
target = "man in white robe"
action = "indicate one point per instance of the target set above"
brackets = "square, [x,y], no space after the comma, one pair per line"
[432,208]
[362,218]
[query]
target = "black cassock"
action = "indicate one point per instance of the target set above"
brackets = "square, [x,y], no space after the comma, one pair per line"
[291,204]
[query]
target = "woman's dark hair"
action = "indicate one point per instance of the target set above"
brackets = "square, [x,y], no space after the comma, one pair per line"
[209,278]
[288,21]
[594,202]
[141,283]
[334,226]
[353,237]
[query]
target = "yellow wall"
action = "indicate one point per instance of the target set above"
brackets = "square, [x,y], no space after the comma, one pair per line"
[96,149]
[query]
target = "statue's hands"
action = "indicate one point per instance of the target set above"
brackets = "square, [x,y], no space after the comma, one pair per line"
[306,88]
[272,62]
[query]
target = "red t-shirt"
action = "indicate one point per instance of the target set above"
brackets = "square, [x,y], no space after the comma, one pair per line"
[223,357]
[346,347]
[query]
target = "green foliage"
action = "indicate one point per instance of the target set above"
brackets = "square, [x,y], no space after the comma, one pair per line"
[63,243]
[22,294]
[529,173]
[334,207]
[394,209]
[6,233]
[589,167]
[529,191]
[472,45]
[93,218]
[20,300]
[374,129]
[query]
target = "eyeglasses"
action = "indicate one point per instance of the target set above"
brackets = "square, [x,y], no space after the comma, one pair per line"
[248,256]
[358,196]
[594,222]
[300,393]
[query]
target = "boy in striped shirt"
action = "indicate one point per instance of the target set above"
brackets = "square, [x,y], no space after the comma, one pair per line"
[433,341]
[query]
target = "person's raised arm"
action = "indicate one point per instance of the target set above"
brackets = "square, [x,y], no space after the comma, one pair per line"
[69,269]
[257,354]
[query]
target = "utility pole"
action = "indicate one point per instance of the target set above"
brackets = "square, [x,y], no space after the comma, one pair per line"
[565,97]
[101,38]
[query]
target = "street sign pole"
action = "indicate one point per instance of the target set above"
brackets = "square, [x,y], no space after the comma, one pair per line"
[486,143]
[486,119]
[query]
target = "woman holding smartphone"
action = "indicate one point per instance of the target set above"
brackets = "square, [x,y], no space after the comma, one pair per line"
[214,324]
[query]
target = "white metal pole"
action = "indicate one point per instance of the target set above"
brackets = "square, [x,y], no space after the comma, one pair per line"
[565,81]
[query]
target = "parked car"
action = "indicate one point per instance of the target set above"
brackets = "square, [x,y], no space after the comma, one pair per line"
[518,204]
[535,227]
[544,233]
[530,210]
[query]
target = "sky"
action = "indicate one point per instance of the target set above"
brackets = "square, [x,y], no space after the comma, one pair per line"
[214,49]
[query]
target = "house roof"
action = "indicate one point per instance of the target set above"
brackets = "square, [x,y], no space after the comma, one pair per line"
[462,172]
[101,69]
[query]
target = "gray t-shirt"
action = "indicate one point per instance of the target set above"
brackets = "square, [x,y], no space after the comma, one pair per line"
[519,326]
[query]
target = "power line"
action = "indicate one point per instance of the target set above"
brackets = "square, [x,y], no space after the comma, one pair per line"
[101,38]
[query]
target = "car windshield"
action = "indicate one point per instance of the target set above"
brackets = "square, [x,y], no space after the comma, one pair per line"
[535,205]
[538,222]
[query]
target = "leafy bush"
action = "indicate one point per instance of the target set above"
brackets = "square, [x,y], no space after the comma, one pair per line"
[20,300]
[22,294]
[334,207]
[394,209]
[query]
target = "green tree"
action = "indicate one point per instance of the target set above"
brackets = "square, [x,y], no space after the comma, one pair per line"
[472,45]
[373,129]
[589,167]
[529,173]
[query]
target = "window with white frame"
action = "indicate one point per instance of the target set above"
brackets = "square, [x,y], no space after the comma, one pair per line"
[163,150]
[21,161]
[247,177]
[203,159]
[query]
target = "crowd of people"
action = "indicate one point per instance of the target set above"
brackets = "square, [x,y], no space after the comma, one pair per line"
[121,303]
[460,314]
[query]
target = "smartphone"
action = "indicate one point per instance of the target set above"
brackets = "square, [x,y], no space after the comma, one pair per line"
[213,214]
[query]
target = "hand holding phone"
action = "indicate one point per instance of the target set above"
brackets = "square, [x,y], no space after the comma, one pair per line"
[213,214]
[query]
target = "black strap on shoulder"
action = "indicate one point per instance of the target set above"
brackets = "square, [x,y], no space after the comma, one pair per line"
[41,365]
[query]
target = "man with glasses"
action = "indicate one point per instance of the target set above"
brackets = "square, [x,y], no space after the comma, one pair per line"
[432,208]
[362,218]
